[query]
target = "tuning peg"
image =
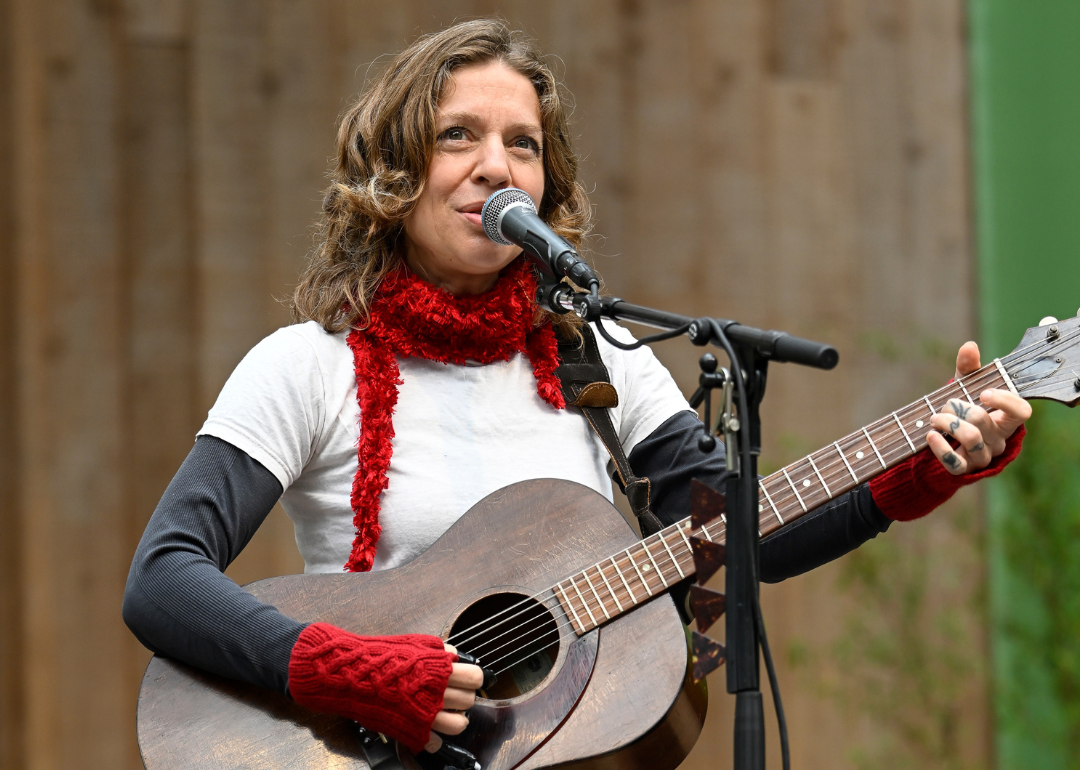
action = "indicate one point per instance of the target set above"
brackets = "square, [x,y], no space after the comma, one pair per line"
[1048,320]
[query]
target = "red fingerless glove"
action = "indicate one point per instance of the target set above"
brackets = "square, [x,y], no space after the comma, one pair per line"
[921,483]
[391,684]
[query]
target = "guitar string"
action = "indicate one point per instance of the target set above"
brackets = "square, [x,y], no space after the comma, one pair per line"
[539,607]
[974,379]
[836,469]
[587,602]
[671,561]
[528,601]
[600,604]
[782,496]
[667,569]
[532,601]
[553,634]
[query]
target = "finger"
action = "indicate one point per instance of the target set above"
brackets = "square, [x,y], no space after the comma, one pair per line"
[448,723]
[1013,411]
[434,743]
[980,436]
[450,648]
[466,676]
[975,450]
[953,460]
[967,359]
[970,438]
[456,699]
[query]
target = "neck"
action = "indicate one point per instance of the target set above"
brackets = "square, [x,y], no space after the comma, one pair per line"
[607,589]
[458,284]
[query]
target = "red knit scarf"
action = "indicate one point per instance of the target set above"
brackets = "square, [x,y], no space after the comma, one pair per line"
[411,318]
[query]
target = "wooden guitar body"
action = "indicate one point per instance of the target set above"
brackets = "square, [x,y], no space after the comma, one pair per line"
[617,695]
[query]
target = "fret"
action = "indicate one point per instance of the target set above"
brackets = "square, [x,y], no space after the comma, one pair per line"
[570,606]
[673,559]
[910,442]
[584,603]
[610,590]
[599,601]
[705,531]
[633,596]
[960,382]
[771,503]
[794,489]
[933,411]
[840,452]
[679,529]
[644,582]
[820,477]
[660,572]
[874,447]
[1005,376]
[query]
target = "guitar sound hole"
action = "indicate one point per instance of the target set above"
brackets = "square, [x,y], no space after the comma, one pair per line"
[515,636]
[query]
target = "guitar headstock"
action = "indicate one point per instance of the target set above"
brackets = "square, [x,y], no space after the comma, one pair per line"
[1046,363]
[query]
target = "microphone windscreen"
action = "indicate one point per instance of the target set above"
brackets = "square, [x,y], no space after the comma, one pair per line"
[496,204]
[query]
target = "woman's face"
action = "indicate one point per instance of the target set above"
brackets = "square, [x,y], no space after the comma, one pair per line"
[488,136]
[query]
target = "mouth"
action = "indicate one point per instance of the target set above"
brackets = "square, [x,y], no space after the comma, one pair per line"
[472,212]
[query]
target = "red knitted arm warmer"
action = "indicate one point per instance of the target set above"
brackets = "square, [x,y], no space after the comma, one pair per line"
[920,484]
[391,684]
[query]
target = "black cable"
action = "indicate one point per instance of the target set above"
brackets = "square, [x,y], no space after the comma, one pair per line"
[643,341]
[785,752]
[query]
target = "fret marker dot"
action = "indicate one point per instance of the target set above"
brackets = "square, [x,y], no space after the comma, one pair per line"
[645,567]
[918,423]
[858,455]
[806,482]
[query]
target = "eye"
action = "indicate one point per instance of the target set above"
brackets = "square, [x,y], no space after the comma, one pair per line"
[455,134]
[527,143]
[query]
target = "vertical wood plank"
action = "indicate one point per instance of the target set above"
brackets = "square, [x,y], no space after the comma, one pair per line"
[70,389]
[230,118]
[160,363]
[11,571]
[300,92]
[230,87]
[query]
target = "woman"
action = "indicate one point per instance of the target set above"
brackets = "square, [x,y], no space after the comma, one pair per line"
[423,379]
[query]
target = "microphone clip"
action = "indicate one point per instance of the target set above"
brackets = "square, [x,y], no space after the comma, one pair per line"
[558,297]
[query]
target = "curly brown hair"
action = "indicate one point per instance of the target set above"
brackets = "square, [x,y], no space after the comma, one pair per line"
[385,143]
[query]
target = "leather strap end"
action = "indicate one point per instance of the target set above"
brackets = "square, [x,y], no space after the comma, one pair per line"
[597,394]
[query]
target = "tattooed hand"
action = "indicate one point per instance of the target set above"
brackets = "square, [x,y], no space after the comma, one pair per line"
[980,429]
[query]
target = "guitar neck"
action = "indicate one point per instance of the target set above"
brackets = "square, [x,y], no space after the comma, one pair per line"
[611,587]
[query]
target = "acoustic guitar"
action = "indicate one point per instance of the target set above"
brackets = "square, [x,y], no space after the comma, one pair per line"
[547,584]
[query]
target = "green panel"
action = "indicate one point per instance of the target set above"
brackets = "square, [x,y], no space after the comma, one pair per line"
[1026,121]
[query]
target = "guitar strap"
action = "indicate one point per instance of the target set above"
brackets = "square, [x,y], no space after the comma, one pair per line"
[586,384]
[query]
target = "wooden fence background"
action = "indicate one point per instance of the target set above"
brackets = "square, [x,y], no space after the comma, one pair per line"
[796,164]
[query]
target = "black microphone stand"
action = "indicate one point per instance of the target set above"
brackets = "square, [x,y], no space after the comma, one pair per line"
[750,351]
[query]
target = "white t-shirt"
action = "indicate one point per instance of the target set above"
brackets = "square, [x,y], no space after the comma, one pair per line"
[461,432]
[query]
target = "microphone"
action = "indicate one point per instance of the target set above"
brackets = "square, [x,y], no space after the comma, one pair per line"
[509,218]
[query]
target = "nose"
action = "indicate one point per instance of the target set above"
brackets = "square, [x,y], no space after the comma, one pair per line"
[493,163]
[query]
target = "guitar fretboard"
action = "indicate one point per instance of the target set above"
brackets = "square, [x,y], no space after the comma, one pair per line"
[648,568]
